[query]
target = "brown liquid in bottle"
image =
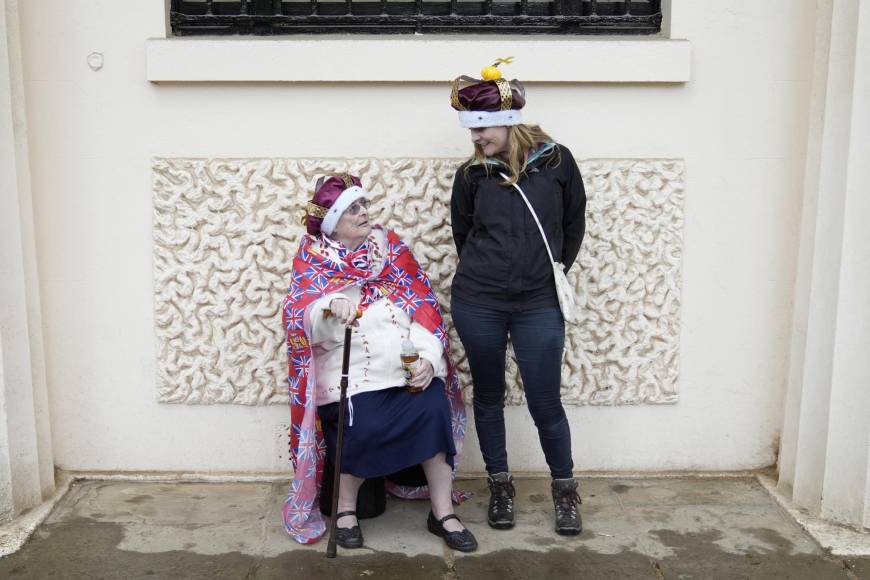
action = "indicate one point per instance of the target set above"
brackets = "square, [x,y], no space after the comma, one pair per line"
[410,359]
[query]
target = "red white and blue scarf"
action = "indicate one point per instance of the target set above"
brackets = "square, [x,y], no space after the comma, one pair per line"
[320,269]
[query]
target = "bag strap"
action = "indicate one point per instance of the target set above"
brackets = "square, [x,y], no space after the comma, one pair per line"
[534,215]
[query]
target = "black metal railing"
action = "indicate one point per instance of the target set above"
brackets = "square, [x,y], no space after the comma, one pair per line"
[270,17]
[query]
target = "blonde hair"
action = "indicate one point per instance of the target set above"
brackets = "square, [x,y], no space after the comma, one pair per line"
[521,141]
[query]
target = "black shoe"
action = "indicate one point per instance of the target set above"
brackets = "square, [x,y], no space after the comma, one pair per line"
[500,514]
[463,541]
[566,500]
[348,537]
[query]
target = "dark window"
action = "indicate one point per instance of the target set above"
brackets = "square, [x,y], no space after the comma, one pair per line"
[266,17]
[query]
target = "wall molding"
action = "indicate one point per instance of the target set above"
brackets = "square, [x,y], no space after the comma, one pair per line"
[420,59]
[225,231]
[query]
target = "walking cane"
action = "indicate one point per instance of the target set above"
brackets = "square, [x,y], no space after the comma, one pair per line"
[342,407]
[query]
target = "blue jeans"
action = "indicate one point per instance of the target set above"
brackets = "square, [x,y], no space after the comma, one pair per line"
[538,338]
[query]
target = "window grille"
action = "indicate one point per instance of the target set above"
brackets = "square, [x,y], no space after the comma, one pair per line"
[279,17]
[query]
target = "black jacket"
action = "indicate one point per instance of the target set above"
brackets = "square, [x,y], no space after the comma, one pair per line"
[503,263]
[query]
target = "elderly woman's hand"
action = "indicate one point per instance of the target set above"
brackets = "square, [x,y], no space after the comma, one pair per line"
[343,311]
[422,375]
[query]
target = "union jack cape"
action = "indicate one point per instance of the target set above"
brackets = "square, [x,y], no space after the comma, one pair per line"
[316,273]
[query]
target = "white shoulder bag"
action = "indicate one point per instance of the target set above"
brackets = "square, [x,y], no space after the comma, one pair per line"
[564,291]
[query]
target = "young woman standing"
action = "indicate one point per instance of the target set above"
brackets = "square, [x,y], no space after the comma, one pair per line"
[504,284]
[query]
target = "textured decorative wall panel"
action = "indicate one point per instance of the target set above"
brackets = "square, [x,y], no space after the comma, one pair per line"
[225,231]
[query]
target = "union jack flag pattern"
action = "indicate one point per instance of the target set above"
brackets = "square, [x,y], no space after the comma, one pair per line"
[315,274]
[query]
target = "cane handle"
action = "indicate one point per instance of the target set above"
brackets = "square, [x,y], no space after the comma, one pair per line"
[327,312]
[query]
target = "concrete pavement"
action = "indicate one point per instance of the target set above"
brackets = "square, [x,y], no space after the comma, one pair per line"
[656,528]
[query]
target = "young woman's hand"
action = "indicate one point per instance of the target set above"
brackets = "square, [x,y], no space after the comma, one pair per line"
[422,375]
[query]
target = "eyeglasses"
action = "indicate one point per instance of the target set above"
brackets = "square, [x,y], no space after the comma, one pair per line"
[358,206]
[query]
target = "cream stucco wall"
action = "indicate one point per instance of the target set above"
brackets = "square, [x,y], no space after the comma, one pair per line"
[823,463]
[26,467]
[739,123]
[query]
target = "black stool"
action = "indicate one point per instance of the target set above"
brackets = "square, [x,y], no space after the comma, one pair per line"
[370,502]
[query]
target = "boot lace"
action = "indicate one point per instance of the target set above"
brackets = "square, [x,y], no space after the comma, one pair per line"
[567,500]
[502,496]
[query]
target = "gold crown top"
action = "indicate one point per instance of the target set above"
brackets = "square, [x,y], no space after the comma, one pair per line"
[491,72]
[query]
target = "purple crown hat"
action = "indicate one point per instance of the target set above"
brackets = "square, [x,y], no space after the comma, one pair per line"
[488,102]
[332,196]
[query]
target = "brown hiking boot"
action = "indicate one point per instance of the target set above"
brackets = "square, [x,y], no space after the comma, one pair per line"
[500,514]
[566,500]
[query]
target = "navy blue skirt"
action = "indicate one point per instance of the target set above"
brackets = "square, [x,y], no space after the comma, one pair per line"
[392,430]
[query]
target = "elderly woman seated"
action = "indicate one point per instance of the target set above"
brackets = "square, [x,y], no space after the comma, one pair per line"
[365,277]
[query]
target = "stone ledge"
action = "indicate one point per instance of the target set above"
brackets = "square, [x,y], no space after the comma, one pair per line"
[834,537]
[14,534]
[415,59]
